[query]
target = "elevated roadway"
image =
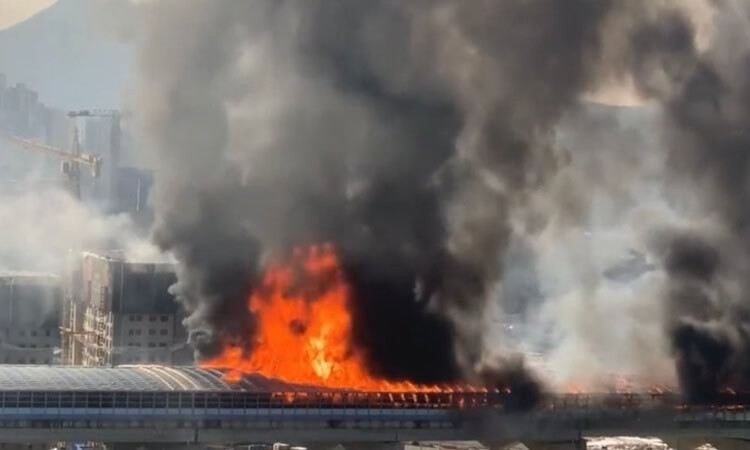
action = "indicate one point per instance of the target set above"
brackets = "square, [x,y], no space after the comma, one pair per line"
[140,404]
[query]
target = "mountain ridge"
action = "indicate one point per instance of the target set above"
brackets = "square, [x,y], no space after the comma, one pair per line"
[59,53]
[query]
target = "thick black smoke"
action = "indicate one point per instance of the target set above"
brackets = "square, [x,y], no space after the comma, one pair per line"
[402,132]
[409,134]
[705,97]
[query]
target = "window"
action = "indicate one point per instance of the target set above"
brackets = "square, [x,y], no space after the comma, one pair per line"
[22,345]
[151,345]
[152,318]
[22,333]
[21,361]
[138,318]
[32,361]
[152,332]
[164,318]
[162,344]
[131,318]
[137,332]
[130,332]
[164,332]
[33,333]
[46,346]
[32,346]
[48,333]
[46,361]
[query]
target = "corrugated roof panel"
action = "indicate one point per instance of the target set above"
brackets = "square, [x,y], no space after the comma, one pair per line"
[132,378]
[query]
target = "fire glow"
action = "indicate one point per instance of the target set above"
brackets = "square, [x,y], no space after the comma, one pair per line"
[303,329]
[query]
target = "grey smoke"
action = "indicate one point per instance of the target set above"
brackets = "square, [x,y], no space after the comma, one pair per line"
[694,73]
[43,226]
[704,92]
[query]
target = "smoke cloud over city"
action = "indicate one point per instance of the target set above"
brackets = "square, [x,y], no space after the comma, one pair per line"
[421,139]
[703,92]
[45,225]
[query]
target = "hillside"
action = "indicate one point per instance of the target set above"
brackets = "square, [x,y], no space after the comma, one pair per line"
[58,53]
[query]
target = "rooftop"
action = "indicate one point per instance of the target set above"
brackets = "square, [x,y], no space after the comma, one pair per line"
[25,276]
[132,378]
[121,256]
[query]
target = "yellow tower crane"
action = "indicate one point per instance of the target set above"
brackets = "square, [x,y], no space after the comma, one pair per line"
[115,137]
[71,161]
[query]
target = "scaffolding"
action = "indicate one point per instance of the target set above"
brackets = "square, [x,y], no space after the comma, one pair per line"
[97,337]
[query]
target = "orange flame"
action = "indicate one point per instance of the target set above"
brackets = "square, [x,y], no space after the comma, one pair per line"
[304,329]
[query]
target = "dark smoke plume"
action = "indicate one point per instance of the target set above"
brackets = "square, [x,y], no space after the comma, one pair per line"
[705,97]
[405,133]
[409,135]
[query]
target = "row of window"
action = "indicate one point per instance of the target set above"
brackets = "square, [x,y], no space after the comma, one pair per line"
[22,360]
[34,346]
[35,333]
[148,359]
[151,332]
[151,318]
[24,446]
[241,400]
[150,344]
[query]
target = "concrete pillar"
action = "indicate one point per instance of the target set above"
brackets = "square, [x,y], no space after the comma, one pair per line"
[515,445]
[154,446]
[323,446]
[685,443]
[373,446]
[729,443]
[577,444]
[354,446]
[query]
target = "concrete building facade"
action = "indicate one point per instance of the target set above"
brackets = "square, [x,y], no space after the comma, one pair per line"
[121,312]
[30,305]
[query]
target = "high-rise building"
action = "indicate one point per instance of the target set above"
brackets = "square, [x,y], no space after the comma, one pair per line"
[60,129]
[119,311]
[131,196]
[20,106]
[3,86]
[29,318]
[97,142]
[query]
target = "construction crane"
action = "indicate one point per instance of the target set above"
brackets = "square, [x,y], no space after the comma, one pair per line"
[71,161]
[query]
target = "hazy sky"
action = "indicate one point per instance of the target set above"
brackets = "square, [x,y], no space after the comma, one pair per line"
[61,53]
[42,58]
[14,11]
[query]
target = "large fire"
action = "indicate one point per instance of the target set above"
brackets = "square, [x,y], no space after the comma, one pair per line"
[304,328]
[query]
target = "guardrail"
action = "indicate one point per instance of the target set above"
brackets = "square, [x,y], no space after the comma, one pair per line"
[351,401]
[239,400]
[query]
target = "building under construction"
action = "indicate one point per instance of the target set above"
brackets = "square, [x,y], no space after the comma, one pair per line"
[29,317]
[118,311]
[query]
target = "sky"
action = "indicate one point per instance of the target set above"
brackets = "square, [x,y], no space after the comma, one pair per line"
[63,54]
[99,76]
[15,11]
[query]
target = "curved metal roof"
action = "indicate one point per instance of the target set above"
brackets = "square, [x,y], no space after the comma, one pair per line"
[133,378]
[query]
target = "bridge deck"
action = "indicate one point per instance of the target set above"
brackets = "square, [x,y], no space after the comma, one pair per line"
[160,404]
